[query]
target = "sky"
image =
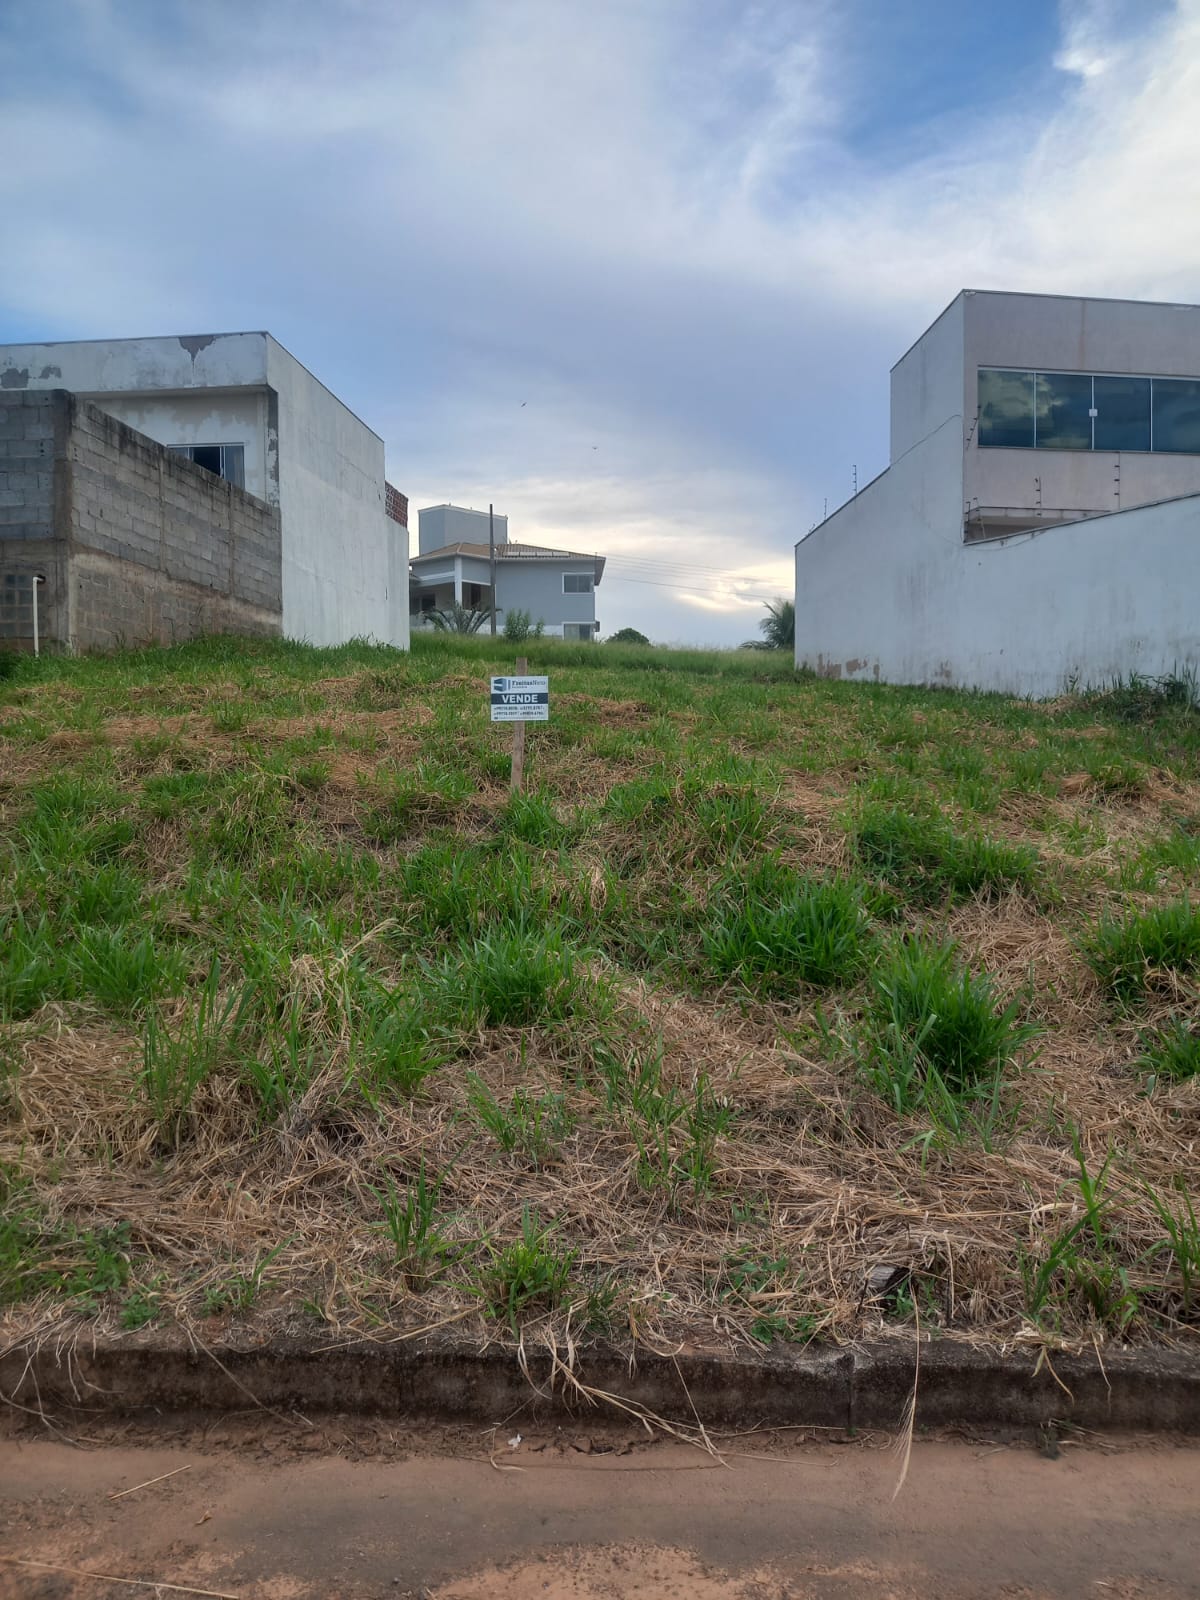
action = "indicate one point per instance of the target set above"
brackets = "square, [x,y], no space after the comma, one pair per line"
[633,270]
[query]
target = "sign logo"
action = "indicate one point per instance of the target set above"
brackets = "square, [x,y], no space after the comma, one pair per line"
[520,699]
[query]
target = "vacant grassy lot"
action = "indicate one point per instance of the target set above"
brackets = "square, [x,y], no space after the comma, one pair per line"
[775,1010]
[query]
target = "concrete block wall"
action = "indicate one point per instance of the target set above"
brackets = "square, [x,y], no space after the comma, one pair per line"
[30,437]
[138,544]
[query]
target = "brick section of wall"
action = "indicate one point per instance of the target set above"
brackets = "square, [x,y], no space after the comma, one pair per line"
[144,546]
[396,505]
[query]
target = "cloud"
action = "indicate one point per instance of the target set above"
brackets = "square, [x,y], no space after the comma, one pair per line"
[650,222]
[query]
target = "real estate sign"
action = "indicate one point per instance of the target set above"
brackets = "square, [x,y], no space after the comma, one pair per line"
[520,699]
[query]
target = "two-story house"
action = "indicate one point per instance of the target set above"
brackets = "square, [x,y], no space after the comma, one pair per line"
[453,567]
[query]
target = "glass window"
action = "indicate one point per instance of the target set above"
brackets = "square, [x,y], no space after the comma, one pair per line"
[227,461]
[578,630]
[1005,408]
[233,464]
[577,583]
[1122,413]
[1176,405]
[1063,407]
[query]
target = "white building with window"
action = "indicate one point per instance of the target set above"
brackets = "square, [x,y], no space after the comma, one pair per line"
[1039,521]
[243,407]
[556,587]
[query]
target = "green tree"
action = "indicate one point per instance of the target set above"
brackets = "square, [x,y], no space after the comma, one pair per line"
[778,627]
[627,636]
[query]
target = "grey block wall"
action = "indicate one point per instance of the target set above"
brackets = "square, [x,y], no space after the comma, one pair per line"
[137,544]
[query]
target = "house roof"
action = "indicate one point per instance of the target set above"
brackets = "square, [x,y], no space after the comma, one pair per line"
[511,552]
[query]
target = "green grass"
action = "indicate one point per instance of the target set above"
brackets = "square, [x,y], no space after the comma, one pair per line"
[1145,950]
[742,990]
[1171,1054]
[533,1272]
[930,862]
[774,930]
[937,1037]
[506,979]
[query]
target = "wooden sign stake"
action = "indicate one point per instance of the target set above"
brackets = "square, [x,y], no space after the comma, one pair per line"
[518,750]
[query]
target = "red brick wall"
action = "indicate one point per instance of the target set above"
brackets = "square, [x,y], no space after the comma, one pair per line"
[396,505]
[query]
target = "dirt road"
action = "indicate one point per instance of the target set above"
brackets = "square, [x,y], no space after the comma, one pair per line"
[272,1514]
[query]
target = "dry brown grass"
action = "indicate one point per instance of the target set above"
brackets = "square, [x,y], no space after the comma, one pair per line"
[815,1183]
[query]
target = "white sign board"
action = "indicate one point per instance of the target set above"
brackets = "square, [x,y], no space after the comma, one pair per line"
[520,699]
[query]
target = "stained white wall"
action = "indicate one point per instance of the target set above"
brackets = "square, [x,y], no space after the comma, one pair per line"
[885,590]
[345,562]
[94,367]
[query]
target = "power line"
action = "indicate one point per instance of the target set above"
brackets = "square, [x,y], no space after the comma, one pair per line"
[665,566]
[685,588]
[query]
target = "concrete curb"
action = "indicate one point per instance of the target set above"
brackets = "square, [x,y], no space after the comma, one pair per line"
[847,1389]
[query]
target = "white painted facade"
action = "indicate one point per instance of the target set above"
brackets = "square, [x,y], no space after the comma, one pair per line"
[344,561]
[1103,581]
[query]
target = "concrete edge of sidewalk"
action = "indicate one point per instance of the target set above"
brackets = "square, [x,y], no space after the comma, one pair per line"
[846,1388]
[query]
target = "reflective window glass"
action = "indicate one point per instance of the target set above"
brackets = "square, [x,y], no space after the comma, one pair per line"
[1122,414]
[1176,405]
[1005,408]
[1063,407]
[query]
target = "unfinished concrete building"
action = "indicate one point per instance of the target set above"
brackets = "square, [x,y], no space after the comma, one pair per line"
[206,437]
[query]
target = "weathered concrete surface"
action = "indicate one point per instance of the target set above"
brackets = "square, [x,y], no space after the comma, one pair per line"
[830,1388]
[572,1515]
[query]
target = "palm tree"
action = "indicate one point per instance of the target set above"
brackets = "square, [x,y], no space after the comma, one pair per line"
[458,619]
[778,627]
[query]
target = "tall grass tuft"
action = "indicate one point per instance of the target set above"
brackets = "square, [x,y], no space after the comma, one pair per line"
[929,862]
[506,979]
[1142,951]
[774,930]
[1171,1054]
[176,1063]
[937,1037]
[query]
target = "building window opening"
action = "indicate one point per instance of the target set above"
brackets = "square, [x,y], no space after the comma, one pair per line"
[226,461]
[1079,411]
[577,583]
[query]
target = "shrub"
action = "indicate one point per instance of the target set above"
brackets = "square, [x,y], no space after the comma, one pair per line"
[1139,952]
[518,625]
[627,636]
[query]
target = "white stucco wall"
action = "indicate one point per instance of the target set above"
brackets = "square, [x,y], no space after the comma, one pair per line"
[886,587]
[927,382]
[883,592]
[345,562]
